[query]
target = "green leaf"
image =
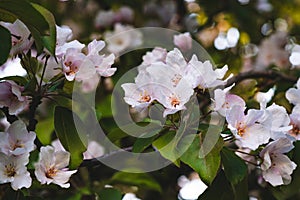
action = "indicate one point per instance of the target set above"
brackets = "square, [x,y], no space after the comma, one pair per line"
[141,180]
[20,80]
[220,189]
[235,168]
[142,143]
[5,44]
[207,166]
[30,64]
[167,147]
[49,42]
[44,130]
[110,194]
[68,134]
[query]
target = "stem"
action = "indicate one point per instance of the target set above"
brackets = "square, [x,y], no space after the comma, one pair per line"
[10,118]
[43,73]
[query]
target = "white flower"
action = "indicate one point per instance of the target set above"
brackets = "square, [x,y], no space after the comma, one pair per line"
[13,170]
[122,38]
[293,94]
[17,140]
[20,37]
[104,18]
[63,35]
[190,189]
[94,150]
[204,76]
[102,63]
[277,167]
[183,41]
[223,101]
[295,53]
[130,196]
[264,97]
[11,97]
[249,133]
[295,123]
[156,55]
[62,50]
[277,120]
[51,167]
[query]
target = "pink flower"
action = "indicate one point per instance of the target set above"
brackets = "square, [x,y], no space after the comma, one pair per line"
[20,37]
[11,97]
[183,41]
[223,101]
[277,167]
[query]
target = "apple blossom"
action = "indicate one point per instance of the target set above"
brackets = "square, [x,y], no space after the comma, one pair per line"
[13,170]
[265,97]
[20,37]
[11,97]
[157,54]
[190,189]
[223,101]
[130,196]
[122,38]
[248,132]
[17,140]
[51,167]
[295,123]
[183,41]
[277,167]
[293,94]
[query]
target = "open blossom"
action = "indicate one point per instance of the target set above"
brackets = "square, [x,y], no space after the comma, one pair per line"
[224,101]
[130,196]
[183,41]
[295,123]
[277,120]
[156,55]
[265,97]
[203,75]
[277,167]
[21,40]
[13,170]
[51,167]
[293,94]
[17,140]
[11,97]
[122,38]
[248,132]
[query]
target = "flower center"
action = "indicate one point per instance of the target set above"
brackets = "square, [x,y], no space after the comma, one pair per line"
[17,145]
[51,172]
[10,170]
[145,98]
[295,130]
[241,129]
[174,101]
[73,68]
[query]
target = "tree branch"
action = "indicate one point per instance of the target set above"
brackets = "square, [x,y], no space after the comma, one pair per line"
[261,74]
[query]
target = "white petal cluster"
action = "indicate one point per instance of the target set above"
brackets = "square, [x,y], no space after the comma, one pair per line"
[15,145]
[52,167]
[86,68]
[168,78]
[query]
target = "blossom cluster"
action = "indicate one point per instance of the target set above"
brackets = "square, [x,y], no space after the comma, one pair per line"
[269,128]
[168,78]
[15,147]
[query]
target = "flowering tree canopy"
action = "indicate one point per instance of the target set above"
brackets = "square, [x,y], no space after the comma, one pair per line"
[132,100]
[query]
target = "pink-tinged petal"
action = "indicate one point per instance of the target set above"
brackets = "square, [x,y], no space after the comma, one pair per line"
[183,41]
[156,55]
[293,95]
[21,180]
[176,59]
[62,159]
[235,115]
[62,177]
[253,116]
[63,34]
[255,136]
[95,46]
[86,70]
[94,150]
